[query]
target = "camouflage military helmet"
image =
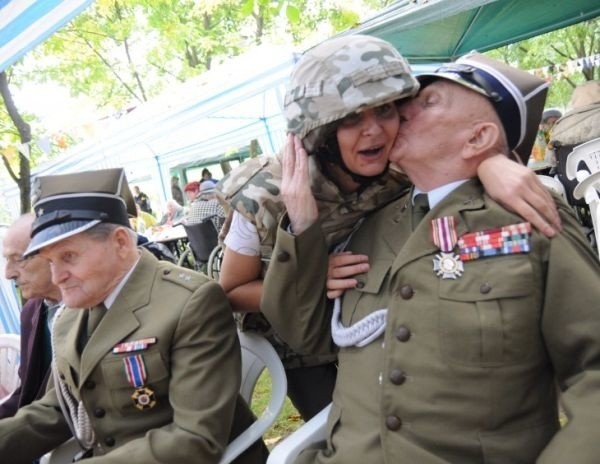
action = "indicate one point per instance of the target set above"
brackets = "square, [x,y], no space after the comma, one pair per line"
[341,76]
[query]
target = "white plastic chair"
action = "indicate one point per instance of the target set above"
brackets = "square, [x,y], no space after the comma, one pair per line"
[257,355]
[588,177]
[311,435]
[552,183]
[10,358]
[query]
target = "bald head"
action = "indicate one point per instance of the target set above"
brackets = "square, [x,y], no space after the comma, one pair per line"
[445,133]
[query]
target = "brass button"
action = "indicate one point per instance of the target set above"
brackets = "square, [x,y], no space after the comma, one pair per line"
[109,441]
[406,292]
[403,333]
[393,422]
[89,385]
[397,377]
[485,288]
[360,285]
[283,256]
[99,413]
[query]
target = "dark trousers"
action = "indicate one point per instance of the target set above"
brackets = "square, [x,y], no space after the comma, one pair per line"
[311,388]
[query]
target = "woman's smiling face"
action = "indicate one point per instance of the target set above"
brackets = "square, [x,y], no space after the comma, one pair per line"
[366,138]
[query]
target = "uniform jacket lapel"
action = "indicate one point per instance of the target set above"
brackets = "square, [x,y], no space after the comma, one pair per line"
[410,245]
[120,320]
[71,323]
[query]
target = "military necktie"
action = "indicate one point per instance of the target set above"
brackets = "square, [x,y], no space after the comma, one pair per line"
[94,316]
[420,209]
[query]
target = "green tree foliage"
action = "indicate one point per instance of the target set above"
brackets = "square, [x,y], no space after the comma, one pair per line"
[552,52]
[121,53]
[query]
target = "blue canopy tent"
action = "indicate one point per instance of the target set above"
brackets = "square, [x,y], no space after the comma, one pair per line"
[23,25]
[26,23]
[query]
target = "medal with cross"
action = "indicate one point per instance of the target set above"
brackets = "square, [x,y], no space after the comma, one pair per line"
[446,264]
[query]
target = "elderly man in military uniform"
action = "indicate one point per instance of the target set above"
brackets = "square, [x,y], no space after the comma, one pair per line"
[466,325]
[34,279]
[146,361]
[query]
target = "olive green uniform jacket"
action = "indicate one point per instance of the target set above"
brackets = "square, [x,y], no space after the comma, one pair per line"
[193,367]
[467,368]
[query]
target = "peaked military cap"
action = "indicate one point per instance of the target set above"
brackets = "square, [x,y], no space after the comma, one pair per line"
[67,204]
[517,96]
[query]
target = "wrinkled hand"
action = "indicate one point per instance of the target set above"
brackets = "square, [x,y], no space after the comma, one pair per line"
[295,186]
[341,269]
[518,189]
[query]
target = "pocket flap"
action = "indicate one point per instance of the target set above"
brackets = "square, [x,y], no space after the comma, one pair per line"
[482,280]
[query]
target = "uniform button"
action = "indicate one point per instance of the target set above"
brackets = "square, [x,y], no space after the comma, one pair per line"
[89,384]
[283,256]
[485,288]
[406,292]
[109,441]
[397,377]
[403,333]
[61,376]
[393,422]
[166,272]
[99,413]
[360,285]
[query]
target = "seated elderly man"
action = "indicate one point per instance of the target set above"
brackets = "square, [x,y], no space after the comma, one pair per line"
[32,276]
[174,214]
[146,360]
[205,205]
[466,325]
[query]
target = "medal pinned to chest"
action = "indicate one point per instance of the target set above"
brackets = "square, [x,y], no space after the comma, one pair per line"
[143,396]
[446,264]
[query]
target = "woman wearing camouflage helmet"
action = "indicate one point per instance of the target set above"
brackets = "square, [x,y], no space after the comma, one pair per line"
[340,103]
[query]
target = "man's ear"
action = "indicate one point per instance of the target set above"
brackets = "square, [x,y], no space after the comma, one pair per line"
[122,238]
[484,137]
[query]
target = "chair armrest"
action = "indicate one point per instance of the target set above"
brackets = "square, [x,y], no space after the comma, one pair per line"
[62,454]
[307,436]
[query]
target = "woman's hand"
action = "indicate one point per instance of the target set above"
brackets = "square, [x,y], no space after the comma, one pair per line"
[295,186]
[518,189]
[341,271]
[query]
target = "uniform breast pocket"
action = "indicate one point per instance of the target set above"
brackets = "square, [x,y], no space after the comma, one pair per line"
[121,377]
[490,315]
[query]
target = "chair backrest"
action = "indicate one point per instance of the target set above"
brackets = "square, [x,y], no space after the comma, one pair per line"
[203,238]
[587,153]
[311,435]
[10,358]
[257,355]
[583,164]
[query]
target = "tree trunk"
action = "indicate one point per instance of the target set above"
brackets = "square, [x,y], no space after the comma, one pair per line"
[23,180]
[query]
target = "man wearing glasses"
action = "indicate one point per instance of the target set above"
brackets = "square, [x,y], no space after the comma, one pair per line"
[33,278]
